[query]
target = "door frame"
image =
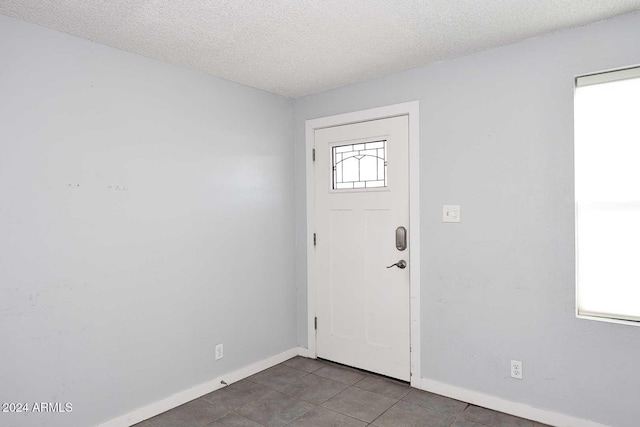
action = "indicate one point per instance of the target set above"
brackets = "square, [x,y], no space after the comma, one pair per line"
[410,109]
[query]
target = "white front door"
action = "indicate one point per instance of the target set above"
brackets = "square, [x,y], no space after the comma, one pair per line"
[362,198]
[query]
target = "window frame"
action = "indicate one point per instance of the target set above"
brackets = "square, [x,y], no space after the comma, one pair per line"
[612,75]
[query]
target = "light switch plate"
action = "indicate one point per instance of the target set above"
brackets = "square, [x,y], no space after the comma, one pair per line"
[450,213]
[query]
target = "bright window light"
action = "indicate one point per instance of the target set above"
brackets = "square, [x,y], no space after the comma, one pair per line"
[607,193]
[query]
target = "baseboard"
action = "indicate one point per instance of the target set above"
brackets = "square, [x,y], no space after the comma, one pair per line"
[507,406]
[304,352]
[185,396]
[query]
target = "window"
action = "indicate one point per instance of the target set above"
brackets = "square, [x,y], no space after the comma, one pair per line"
[607,195]
[359,165]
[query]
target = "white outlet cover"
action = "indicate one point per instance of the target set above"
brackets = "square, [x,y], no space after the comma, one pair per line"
[516,369]
[450,213]
[219,351]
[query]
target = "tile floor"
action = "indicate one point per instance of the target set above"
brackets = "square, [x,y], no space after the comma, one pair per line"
[313,393]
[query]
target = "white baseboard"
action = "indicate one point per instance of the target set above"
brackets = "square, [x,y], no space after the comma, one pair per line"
[305,352]
[507,406]
[185,396]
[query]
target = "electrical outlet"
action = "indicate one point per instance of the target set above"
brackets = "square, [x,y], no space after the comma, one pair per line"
[219,351]
[516,369]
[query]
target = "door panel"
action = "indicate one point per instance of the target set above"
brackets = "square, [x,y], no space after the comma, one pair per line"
[362,196]
[377,331]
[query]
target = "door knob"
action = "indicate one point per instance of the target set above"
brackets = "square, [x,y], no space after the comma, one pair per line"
[402,264]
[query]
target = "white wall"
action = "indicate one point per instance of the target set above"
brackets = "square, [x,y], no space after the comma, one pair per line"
[146,213]
[497,138]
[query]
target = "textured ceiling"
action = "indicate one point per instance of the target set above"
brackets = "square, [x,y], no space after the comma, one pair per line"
[298,47]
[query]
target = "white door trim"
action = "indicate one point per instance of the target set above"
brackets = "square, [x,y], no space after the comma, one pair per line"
[410,109]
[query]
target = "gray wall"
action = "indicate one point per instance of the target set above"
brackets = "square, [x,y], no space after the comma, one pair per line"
[146,214]
[496,137]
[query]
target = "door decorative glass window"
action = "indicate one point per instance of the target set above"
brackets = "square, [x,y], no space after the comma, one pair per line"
[359,165]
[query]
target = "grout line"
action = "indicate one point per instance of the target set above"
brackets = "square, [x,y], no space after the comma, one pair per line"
[344,415]
[456,416]
[385,411]
[219,418]
[381,394]
[362,371]
[301,415]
